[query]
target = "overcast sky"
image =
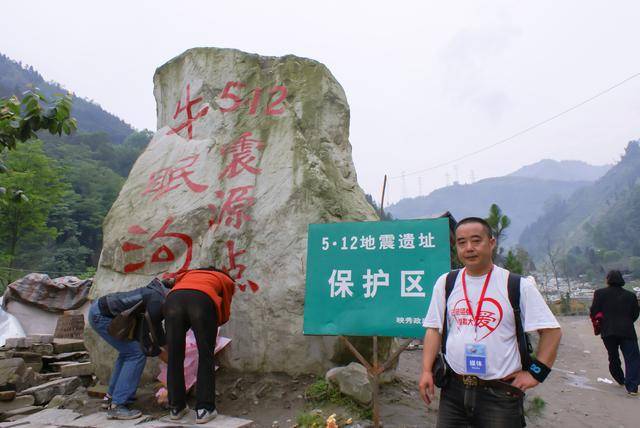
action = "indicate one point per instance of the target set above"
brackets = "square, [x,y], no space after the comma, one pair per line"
[427,81]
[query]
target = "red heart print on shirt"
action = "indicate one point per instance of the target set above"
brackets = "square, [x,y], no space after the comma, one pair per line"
[488,321]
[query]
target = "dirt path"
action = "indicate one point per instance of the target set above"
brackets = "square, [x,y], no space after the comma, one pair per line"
[573,396]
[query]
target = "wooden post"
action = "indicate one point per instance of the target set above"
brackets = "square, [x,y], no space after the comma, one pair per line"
[384,188]
[375,385]
[374,370]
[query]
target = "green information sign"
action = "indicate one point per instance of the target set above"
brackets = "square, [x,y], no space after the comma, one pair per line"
[373,278]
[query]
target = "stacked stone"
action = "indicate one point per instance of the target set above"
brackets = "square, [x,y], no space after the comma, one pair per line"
[37,368]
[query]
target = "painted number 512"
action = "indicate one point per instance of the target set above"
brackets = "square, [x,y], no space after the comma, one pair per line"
[232,93]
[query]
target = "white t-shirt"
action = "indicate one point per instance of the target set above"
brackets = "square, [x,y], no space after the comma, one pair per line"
[496,328]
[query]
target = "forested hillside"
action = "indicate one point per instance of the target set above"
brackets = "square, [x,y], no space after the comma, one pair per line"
[521,198]
[16,78]
[596,228]
[71,183]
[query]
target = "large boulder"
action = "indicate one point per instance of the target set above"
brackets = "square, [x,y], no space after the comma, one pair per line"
[249,151]
[352,380]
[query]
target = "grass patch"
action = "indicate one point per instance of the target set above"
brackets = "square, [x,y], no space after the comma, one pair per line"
[536,406]
[322,392]
[309,420]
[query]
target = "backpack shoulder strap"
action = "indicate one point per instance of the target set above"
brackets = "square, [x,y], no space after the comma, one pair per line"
[513,284]
[448,288]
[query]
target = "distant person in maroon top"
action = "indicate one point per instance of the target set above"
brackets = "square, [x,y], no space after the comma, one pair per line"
[618,309]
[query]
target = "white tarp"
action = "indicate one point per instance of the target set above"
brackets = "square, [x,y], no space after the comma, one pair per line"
[9,326]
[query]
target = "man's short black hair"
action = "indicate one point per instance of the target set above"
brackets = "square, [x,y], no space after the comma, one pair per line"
[482,221]
[615,279]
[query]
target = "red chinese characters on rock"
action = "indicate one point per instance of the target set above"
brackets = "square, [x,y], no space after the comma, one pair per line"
[190,118]
[163,253]
[275,104]
[232,211]
[242,156]
[167,179]
[236,270]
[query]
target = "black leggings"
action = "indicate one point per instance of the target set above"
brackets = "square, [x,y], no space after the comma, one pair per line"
[193,309]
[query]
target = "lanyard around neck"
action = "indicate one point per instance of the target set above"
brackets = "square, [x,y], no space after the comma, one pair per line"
[475,318]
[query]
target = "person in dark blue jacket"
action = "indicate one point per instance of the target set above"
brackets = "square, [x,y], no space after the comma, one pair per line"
[618,309]
[131,360]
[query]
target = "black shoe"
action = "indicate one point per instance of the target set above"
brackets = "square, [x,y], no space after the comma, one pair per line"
[203,415]
[177,414]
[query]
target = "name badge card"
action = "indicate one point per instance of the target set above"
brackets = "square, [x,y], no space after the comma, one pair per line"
[476,358]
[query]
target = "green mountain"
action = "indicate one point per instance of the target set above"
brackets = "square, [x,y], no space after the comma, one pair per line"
[599,225]
[16,78]
[71,183]
[521,198]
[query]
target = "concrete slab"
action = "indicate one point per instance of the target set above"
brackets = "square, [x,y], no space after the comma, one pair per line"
[64,346]
[100,420]
[221,421]
[16,403]
[45,392]
[77,369]
[48,417]
[20,424]
[22,411]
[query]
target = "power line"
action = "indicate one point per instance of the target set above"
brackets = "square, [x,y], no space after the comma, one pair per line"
[524,131]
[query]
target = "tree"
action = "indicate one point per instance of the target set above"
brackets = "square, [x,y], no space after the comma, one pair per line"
[498,223]
[543,275]
[553,257]
[512,264]
[523,257]
[25,219]
[565,304]
[21,119]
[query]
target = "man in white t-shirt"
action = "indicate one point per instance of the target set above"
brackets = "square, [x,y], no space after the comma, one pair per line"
[486,380]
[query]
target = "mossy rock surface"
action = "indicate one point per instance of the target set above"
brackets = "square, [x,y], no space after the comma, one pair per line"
[294,168]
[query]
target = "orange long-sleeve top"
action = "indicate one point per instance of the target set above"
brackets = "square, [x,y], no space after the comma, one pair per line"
[218,286]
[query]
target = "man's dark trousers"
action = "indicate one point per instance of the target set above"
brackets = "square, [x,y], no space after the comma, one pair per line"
[631,354]
[479,407]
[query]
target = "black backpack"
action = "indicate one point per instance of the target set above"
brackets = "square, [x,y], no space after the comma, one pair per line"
[513,284]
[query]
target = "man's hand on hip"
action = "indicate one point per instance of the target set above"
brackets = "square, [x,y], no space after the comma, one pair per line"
[427,391]
[522,380]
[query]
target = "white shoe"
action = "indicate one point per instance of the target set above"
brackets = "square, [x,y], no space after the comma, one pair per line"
[203,415]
